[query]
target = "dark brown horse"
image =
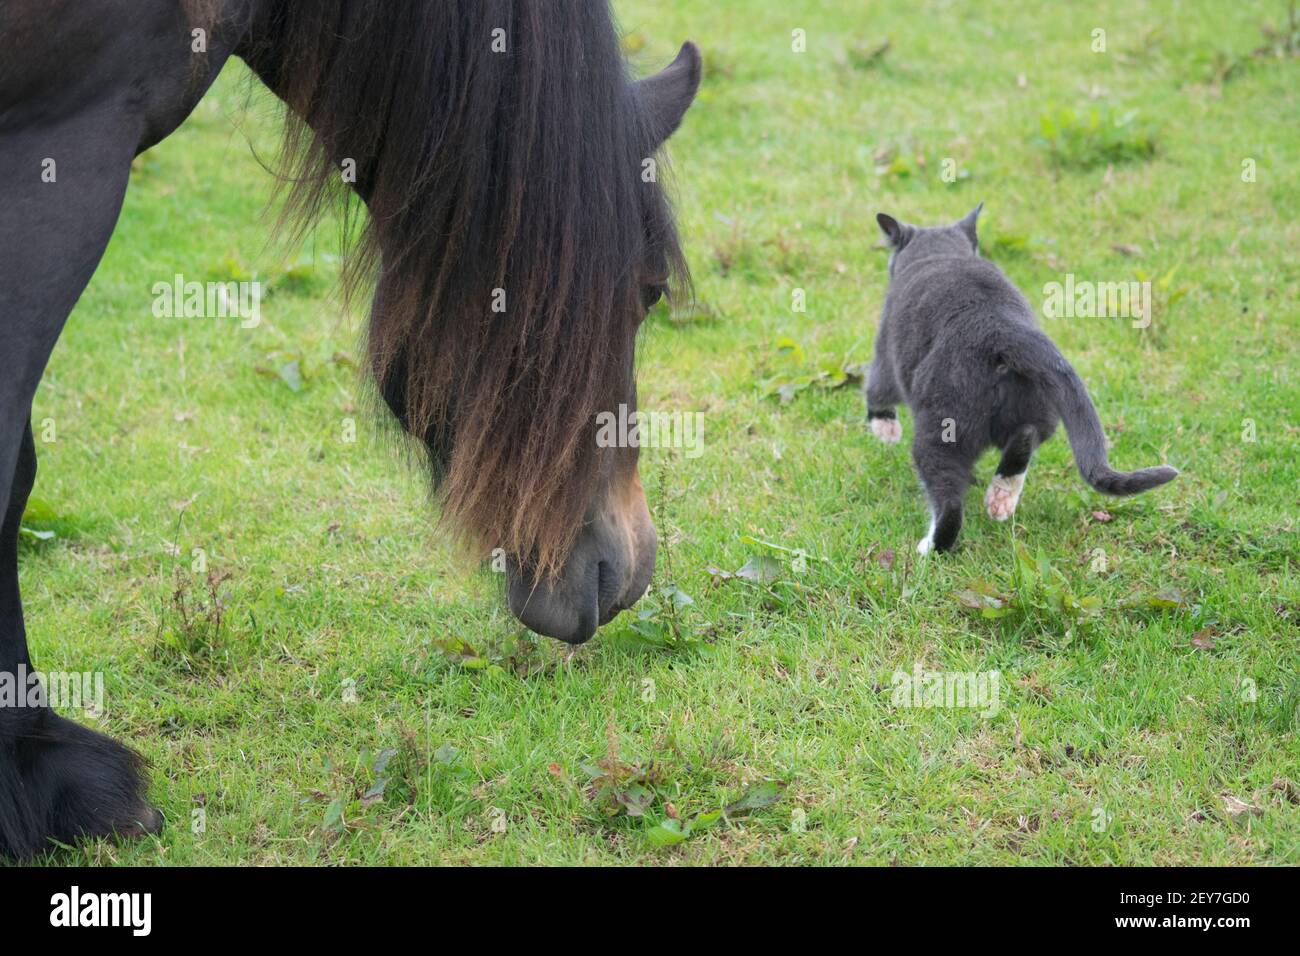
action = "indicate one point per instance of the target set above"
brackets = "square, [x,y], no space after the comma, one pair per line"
[497,150]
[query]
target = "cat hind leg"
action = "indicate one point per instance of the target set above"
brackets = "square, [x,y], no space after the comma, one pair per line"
[1003,495]
[945,469]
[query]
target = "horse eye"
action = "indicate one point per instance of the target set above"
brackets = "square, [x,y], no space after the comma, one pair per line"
[651,294]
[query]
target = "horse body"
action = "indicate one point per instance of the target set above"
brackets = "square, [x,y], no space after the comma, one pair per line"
[491,166]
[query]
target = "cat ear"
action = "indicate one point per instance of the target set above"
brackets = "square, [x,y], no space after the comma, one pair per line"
[894,230]
[968,226]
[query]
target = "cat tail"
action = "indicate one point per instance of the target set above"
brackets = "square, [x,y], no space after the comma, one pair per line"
[1031,353]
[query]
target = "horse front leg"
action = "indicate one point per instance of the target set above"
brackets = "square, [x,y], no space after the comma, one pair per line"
[61,187]
[58,780]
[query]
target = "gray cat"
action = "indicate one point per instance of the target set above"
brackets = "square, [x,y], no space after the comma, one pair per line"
[960,345]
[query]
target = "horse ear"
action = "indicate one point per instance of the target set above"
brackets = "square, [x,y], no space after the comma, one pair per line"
[665,97]
[968,225]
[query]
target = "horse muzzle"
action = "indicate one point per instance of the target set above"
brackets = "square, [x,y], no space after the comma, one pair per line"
[607,571]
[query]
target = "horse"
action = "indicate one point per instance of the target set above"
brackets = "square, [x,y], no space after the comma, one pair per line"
[494,154]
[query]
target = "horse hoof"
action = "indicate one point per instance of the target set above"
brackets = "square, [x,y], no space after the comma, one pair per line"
[62,782]
[149,822]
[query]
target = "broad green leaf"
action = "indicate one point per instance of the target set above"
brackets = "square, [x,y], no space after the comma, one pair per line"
[291,374]
[334,814]
[667,833]
[761,569]
[381,760]
[757,797]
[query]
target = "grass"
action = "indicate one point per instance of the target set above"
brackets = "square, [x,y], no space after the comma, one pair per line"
[322,682]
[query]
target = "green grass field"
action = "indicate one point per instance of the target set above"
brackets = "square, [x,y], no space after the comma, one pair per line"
[365,698]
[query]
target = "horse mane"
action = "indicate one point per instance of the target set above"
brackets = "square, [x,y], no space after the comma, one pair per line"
[202,13]
[508,179]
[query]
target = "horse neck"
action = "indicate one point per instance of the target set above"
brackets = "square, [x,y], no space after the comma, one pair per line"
[265,50]
[258,45]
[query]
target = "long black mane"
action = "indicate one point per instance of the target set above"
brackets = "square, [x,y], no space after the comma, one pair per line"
[494,179]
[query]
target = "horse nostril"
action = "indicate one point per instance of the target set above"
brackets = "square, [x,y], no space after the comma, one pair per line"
[607,591]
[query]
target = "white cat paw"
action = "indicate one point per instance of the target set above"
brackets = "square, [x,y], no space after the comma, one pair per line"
[888,430]
[1003,495]
[926,544]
